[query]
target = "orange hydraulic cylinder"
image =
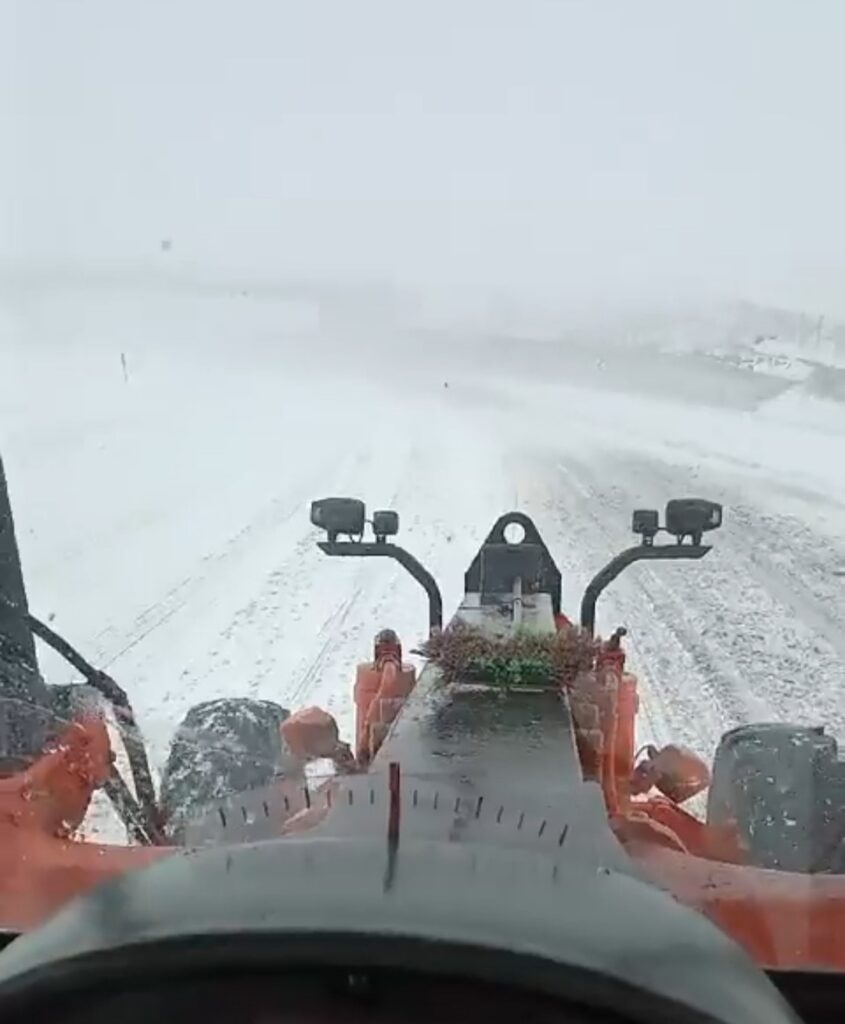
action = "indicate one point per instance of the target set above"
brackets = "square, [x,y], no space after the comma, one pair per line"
[610,681]
[396,685]
[380,691]
[627,705]
[367,685]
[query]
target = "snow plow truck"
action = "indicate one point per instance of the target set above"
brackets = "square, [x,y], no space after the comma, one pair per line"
[515,737]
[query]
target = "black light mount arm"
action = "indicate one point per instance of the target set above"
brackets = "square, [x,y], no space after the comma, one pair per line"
[382,549]
[684,517]
[646,550]
[348,516]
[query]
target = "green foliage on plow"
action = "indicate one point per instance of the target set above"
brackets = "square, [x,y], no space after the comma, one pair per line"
[467,654]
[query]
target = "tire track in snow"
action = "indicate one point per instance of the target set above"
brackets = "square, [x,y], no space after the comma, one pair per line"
[678,699]
[781,550]
[681,602]
[683,699]
[786,579]
[273,641]
[772,599]
[794,595]
[116,644]
[330,637]
[180,642]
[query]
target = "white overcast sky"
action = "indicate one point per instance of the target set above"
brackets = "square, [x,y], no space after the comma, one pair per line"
[583,149]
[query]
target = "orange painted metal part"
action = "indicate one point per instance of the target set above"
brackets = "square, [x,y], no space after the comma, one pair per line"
[53,794]
[784,920]
[39,873]
[381,688]
[312,734]
[677,772]
[41,868]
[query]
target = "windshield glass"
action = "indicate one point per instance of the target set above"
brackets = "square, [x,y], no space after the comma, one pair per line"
[580,262]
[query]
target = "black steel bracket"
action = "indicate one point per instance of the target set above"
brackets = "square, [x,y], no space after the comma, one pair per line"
[498,561]
[379,549]
[616,565]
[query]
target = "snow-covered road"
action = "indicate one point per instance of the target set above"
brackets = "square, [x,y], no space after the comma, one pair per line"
[164,525]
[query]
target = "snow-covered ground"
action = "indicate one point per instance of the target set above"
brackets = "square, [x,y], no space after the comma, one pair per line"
[163,514]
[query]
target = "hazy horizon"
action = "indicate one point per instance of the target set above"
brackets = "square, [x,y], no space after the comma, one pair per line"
[584,154]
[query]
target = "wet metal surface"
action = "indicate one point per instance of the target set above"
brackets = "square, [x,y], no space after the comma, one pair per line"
[507,741]
[478,766]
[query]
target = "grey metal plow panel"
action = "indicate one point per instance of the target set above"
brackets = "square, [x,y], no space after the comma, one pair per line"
[477,766]
[502,741]
[505,766]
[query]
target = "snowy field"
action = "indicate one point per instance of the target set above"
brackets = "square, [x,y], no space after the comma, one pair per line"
[163,518]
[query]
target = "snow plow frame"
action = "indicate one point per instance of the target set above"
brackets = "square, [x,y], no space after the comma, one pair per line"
[785,920]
